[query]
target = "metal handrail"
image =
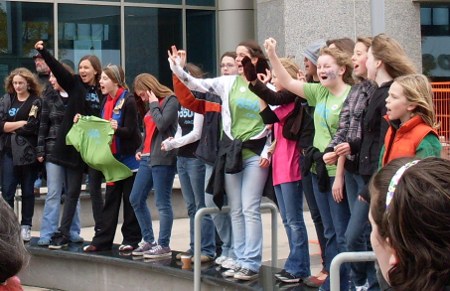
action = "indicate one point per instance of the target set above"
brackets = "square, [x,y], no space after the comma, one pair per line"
[198,235]
[335,279]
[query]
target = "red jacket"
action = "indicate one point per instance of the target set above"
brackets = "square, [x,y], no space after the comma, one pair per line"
[404,141]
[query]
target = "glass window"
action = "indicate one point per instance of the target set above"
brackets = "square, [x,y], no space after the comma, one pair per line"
[21,25]
[201,40]
[201,2]
[436,41]
[149,33]
[171,2]
[89,30]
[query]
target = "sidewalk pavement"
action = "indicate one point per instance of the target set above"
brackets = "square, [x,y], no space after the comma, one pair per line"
[180,240]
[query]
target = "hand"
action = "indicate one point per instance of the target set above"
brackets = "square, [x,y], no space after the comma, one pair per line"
[40,159]
[114,124]
[39,45]
[338,189]
[270,45]
[249,69]
[264,163]
[151,97]
[183,56]
[265,78]
[301,76]
[174,57]
[22,123]
[330,158]
[165,144]
[138,156]
[76,117]
[343,149]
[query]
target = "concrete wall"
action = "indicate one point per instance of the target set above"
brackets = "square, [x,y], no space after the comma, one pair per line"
[295,24]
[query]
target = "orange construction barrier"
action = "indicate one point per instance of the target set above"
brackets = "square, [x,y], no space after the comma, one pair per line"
[441,91]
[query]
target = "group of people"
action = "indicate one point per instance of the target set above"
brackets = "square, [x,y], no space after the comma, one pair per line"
[326,132]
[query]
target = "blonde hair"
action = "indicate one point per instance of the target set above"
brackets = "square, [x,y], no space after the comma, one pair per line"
[116,74]
[393,56]
[291,66]
[343,60]
[365,40]
[145,81]
[34,87]
[417,89]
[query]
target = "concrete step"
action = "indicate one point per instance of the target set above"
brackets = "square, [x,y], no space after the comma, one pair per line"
[87,220]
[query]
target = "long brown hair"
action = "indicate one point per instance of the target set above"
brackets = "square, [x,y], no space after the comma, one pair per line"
[96,64]
[393,56]
[144,82]
[34,87]
[416,223]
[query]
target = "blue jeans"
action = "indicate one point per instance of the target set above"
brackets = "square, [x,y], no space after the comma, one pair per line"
[354,183]
[358,239]
[290,203]
[23,175]
[314,210]
[335,217]
[221,221]
[161,179]
[191,172]
[244,192]
[56,181]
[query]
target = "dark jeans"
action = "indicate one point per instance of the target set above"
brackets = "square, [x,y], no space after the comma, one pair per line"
[95,191]
[23,175]
[131,231]
[314,211]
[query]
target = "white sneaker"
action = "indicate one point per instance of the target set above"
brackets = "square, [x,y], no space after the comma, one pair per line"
[231,272]
[25,233]
[220,260]
[230,264]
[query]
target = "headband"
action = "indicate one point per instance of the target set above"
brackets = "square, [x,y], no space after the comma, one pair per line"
[395,179]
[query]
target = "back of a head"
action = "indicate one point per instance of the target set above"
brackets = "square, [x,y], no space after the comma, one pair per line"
[291,66]
[13,255]
[195,70]
[393,56]
[411,211]
[345,44]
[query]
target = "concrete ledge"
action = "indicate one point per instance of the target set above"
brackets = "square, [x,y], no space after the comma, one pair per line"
[71,269]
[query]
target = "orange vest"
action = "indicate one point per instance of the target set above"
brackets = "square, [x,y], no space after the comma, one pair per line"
[405,141]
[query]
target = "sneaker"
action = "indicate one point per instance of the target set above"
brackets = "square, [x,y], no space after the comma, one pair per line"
[43,242]
[186,253]
[203,259]
[230,264]
[289,278]
[231,272]
[26,233]
[280,273]
[157,251]
[220,260]
[143,247]
[77,239]
[58,241]
[246,274]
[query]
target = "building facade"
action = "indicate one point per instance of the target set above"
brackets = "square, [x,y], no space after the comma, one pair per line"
[137,33]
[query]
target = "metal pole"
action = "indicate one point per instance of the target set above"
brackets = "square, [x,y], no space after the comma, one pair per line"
[341,258]
[198,235]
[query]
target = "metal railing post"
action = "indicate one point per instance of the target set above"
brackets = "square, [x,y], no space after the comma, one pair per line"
[198,235]
[345,257]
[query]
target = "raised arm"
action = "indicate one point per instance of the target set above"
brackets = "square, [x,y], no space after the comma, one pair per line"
[65,78]
[289,83]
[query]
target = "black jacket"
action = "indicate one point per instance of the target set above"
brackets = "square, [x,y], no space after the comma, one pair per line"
[374,128]
[66,155]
